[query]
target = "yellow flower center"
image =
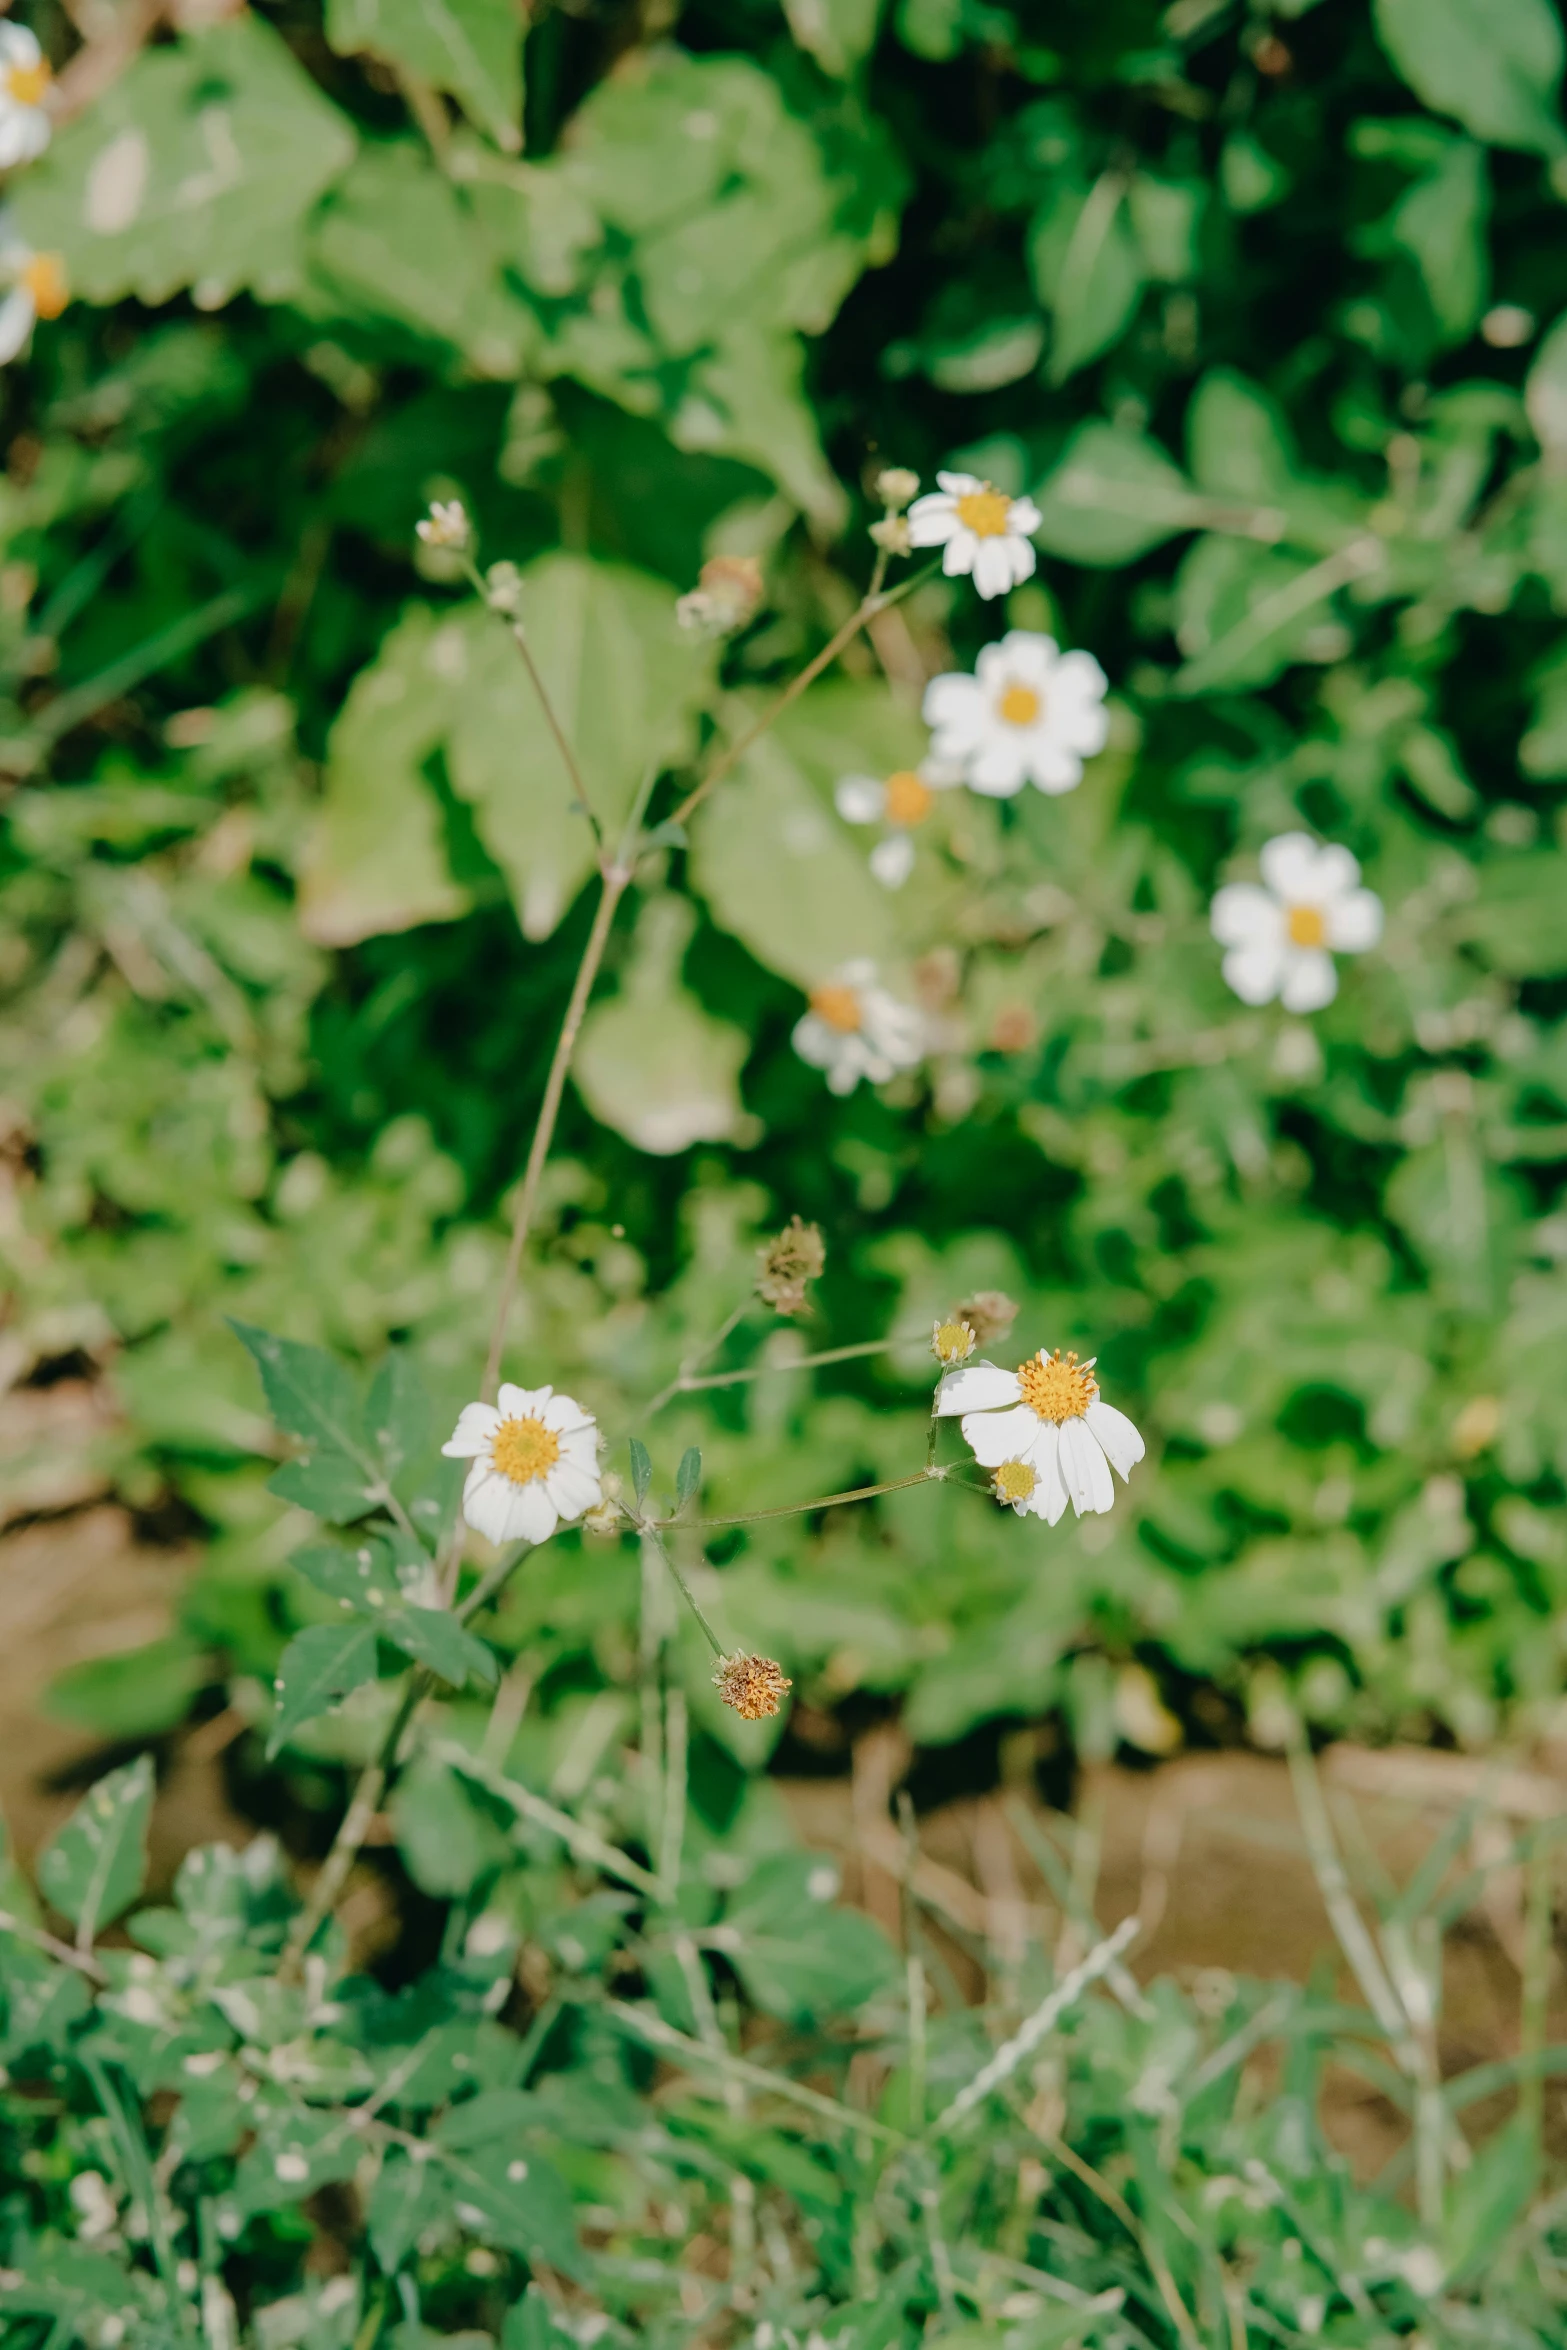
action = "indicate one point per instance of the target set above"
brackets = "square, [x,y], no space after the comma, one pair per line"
[1014,1481]
[44,278]
[985,512]
[27,83]
[1019,705]
[523,1449]
[1057,1386]
[909,799]
[1305,925]
[953,1342]
[839,1007]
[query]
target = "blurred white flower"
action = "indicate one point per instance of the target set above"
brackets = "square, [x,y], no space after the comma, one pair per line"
[446,525]
[983,531]
[901,803]
[1282,937]
[855,1029]
[535,1462]
[35,288]
[1045,1432]
[24,85]
[1029,714]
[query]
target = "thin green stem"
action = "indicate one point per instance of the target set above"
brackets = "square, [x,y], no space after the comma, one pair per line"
[823,1501]
[519,637]
[684,1588]
[683,1382]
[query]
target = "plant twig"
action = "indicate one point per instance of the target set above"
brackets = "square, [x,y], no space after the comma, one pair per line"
[823,1501]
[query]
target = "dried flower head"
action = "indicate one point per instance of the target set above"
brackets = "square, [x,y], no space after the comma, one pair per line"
[503,585]
[752,1685]
[891,534]
[446,525]
[952,1342]
[607,1516]
[797,1255]
[989,1313]
[896,486]
[725,598]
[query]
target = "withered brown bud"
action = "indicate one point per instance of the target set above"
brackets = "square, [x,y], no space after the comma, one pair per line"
[989,1313]
[796,1256]
[752,1685]
[725,598]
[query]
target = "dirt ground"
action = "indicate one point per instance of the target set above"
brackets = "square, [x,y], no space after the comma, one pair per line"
[1207,1848]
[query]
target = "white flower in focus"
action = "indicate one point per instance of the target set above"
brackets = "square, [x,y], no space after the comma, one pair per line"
[535,1462]
[24,85]
[1282,937]
[446,525]
[1029,714]
[35,287]
[902,803]
[855,1029]
[983,531]
[1044,1431]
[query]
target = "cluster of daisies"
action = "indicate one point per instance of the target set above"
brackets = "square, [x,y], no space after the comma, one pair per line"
[34,283]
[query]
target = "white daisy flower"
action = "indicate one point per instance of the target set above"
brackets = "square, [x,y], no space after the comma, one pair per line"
[1282,938]
[1029,714]
[1044,1431]
[983,531]
[36,288]
[24,85]
[901,804]
[855,1029]
[535,1462]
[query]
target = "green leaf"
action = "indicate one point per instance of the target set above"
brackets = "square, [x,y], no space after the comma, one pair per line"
[1494,64]
[397,1416]
[445,1833]
[837,33]
[363,1577]
[641,1469]
[1545,391]
[314,1397]
[798,1955]
[654,1065]
[316,1672]
[1244,613]
[408,2197]
[1441,222]
[688,1476]
[511,2198]
[433,1637]
[195,167]
[138,1694]
[1114,495]
[1518,917]
[471,48]
[96,1866]
[1086,269]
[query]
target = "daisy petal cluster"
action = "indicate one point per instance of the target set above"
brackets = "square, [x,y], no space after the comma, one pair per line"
[900,804]
[1044,1432]
[35,287]
[1283,935]
[535,1463]
[24,88]
[855,1029]
[1029,714]
[982,531]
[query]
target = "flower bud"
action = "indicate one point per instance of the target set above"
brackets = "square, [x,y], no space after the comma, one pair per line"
[607,1516]
[503,586]
[895,487]
[952,1343]
[891,534]
[725,598]
[446,525]
[753,1686]
[797,1255]
[990,1314]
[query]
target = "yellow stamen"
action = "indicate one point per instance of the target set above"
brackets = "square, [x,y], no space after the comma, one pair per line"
[909,799]
[1057,1386]
[1306,926]
[1019,705]
[27,83]
[952,1342]
[1014,1481]
[44,278]
[839,1007]
[523,1450]
[985,512]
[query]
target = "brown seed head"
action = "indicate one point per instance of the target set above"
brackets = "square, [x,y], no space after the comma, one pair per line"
[795,1257]
[752,1685]
[990,1314]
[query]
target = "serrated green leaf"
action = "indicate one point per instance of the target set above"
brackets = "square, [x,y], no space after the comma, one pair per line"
[512,2198]
[410,2194]
[433,1637]
[314,1397]
[800,1956]
[96,1866]
[471,48]
[317,1670]
[360,1576]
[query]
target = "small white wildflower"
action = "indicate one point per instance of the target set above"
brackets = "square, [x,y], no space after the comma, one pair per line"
[855,1029]
[535,1462]
[503,586]
[446,525]
[1282,937]
[96,2211]
[895,486]
[35,282]
[1044,1430]
[24,87]
[1029,714]
[900,804]
[984,532]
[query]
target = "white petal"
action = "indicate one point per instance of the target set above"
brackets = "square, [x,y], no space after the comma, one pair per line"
[1024,517]
[960,485]
[994,1437]
[563,1412]
[1256,972]
[1024,653]
[571,1490]
[1120,1440]
[476,1424]
[999,769]
[892,860]
[1084,1470]
[581,1447]
[859,799]
[992,567]
[962,548]
[491,1503]
[1289,867]
[932,521]
[846,1073]
[1354,922]
[534,1516]
[522,1403]
[17,314]
[954,702]
[1053,770]
[815,1042]
[976,1387]
[1048,1498]
[1242,915]
[19,46]
[1310,980]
